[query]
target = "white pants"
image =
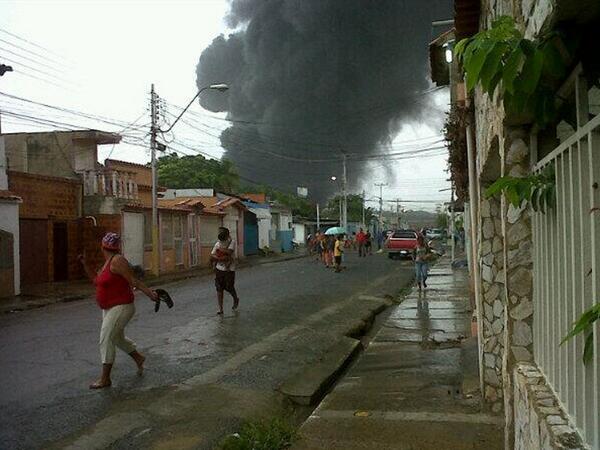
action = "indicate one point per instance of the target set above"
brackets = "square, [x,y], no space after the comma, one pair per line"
[112,333]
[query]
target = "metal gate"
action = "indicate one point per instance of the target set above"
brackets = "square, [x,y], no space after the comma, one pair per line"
[567,270]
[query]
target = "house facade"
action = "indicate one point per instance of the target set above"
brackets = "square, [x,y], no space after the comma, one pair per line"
[231,210]
[281,236]
[536,272]
[10,277]
[70,201]
[259,206]
[46,170]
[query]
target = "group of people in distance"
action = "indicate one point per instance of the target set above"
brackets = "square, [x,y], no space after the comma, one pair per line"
[330,248]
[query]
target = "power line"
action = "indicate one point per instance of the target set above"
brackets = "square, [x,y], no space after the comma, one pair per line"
[351,156]
[107,120]
[31,43]
[125,129]
[26,57]
[19,71]
[285,141]
[27,66]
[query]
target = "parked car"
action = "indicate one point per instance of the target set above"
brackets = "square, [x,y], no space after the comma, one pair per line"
[401,243]
[435,233]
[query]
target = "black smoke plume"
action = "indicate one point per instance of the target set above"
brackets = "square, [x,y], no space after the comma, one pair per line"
[310,79]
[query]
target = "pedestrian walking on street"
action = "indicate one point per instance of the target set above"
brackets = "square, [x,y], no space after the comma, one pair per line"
[380,240]
[330,243]
[114,294]
[421,256]
[361,239]
[319,246]
[368,243]
[223,257]
[338,251]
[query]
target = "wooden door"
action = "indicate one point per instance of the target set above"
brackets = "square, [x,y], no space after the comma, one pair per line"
[33,239]
[60,251]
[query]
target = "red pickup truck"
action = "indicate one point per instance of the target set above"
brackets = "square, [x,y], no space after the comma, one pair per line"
[401,243]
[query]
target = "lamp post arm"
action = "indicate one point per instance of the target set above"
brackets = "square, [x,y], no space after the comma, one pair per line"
[185,109]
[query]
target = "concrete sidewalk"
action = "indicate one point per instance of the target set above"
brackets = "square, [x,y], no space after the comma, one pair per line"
[416,386]
[40,295]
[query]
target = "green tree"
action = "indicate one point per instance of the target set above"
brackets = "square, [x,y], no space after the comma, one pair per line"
[180,172]
[355,206]
[299,206]
[442,220]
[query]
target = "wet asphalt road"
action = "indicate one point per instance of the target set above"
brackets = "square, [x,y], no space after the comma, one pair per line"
[48,356]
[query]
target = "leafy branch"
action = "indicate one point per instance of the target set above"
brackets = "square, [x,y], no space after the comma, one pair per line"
[584,325]
[527,69]
[537,189]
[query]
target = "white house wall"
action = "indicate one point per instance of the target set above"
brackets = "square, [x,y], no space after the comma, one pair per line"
[263,216]
[299,233]
[284,221]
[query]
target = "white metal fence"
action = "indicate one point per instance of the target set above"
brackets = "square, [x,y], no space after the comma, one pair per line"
[567,275]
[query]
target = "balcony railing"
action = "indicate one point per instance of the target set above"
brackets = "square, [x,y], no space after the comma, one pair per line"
[110,183]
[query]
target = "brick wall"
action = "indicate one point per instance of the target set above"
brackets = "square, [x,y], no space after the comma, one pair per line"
[45,196]
[145,196]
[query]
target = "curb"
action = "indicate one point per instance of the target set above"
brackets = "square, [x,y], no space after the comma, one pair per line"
[307,387]
[151,282]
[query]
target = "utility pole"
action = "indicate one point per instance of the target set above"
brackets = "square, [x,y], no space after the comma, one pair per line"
[153,133]
[364,225]
[318,218]
[380,185]
[345,196]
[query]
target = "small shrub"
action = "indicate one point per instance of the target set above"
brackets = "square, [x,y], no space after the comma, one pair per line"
[273,435]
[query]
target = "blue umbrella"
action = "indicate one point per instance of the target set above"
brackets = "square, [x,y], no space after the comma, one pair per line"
[335,230]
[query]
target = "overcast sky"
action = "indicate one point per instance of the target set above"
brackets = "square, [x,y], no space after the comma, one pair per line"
[100,58]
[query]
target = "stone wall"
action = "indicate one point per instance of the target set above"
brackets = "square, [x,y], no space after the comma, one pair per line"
[540,422]
[505,247]
[493,301]
[518,244]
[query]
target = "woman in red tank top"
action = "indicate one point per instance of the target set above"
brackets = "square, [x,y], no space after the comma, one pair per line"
[114,294]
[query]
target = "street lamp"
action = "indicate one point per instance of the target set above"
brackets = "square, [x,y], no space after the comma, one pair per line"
[334,179]
[448,52]
[221,87]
